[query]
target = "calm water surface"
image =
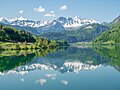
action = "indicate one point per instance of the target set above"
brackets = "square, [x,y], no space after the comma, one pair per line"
[69,68]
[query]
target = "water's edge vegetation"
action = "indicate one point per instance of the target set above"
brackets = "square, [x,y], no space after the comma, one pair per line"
[105,55]
[13,39]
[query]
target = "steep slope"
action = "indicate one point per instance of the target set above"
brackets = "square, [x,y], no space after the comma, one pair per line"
[57,25]
[71,29]
[85,33]
[116,20]
[10,34]
[75,22]
[54,26]
[111,36]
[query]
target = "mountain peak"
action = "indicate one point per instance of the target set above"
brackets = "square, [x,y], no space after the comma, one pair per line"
[2,18]
[62,22]
[76,17]
[22,18]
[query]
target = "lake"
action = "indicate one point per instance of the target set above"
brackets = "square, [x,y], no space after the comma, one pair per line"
[63,68]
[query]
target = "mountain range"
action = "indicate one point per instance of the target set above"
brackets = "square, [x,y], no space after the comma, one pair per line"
[70,29]
[67,67]
[59,24]
[70,59]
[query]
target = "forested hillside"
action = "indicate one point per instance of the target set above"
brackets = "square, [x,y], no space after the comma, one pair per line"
[10,34]
[111,36]
[12,38]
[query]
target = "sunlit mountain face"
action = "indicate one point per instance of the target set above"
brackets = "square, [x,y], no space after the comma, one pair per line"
[72,30]
[59,44]
[67,23]
[62,23]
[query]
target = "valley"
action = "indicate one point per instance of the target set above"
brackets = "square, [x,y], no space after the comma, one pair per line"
[69,29]
[59,45]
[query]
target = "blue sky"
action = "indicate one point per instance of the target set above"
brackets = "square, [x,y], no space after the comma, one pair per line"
[101,10]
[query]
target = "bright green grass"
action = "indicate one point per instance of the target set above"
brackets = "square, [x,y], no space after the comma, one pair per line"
[12,46]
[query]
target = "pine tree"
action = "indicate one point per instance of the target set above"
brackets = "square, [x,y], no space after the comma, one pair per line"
[1,26]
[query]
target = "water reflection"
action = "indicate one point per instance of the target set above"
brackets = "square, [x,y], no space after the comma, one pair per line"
[41,81]
[63,68]
[64,82]
[112,53]
[63,60]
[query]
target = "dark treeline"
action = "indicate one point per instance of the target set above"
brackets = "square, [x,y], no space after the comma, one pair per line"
[9,34]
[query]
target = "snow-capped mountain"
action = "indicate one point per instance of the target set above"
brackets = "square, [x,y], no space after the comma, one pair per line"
[23,22]
[59,24]
[75,22]
[75,66]
[10,20]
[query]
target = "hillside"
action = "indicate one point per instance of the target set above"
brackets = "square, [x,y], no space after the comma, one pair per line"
[84,34]
[74,29]
[56,25]
[112,53]
[14,39]
[113,22]
[111,36]
[116,20]
[9,34]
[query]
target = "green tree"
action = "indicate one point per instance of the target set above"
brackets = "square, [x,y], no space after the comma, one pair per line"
[45,42]
[17,47]
[52,44]
[1,48]
[1,26]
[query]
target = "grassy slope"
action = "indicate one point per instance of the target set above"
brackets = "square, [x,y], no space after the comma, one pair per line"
[10,34]
[111,36]
[10,46]
[13,39]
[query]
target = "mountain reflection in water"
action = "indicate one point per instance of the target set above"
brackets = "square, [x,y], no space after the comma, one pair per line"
[61,68]
[69,59]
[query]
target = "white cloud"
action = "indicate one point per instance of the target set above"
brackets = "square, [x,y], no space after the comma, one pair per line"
[39,9]
[22,79]
[64,82]
[52,76]
[64,7]
[50,14]
[21,11]
[41,81]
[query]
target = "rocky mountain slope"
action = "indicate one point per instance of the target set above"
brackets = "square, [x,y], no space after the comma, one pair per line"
[62,23]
